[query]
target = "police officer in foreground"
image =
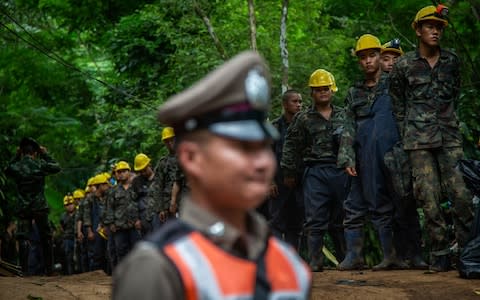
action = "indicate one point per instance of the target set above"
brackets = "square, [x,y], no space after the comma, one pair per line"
[219,248]
[425,87]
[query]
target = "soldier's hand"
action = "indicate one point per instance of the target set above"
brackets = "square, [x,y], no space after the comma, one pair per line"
[80,236]
[273,190]
[351,171]
[113,228]
[289,182]
[138,224]
[162,216]
[90,235]
[173,208]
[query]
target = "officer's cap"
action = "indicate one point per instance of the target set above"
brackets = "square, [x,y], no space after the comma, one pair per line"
[231,101]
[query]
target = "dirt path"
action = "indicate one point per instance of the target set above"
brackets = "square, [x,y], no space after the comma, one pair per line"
[330,284]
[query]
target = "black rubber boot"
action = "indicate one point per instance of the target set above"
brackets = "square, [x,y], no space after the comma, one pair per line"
[354,258]
[315,254]
[390,260]
[440,263]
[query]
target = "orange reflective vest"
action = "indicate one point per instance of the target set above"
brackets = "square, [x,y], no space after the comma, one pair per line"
[209,272]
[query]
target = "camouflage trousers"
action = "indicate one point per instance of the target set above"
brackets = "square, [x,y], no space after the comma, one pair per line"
[436,179]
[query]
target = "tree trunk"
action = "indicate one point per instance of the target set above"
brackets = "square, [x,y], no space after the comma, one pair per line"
[283,45]
[207,23]
[253,25]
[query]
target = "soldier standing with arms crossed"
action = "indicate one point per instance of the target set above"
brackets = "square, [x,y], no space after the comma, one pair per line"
[425,86]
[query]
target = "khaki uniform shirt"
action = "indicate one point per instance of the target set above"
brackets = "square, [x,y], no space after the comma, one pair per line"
[147,274]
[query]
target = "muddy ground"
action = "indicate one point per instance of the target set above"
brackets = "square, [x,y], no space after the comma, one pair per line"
[330,284]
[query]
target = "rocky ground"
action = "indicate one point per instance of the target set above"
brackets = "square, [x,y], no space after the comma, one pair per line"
[330,284]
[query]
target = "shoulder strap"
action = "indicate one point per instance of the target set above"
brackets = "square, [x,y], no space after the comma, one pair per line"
[262,285]
[169,232]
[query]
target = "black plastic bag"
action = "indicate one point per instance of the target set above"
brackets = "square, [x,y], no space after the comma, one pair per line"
[471,174]
[469,262]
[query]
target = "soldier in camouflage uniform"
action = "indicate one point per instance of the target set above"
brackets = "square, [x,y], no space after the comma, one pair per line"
[28,169]
[67,223]
[286,207]
[161,191]
[93,218]
[122,216]
[314,136]
[407,232]
[141,185]
[81,233]
[425,86]
[370,131]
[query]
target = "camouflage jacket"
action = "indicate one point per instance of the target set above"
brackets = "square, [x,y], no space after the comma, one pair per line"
[67,222]
[424,98]
[29,175]
[122,208]
[93,212]
[81,208]
[312,137]
[159,194]
[281,125]
[358,105]
[141,186]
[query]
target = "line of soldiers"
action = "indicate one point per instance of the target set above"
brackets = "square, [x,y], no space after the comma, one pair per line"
[102,224]
[392,147]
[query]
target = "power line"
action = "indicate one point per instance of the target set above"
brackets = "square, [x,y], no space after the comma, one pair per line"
[52,55]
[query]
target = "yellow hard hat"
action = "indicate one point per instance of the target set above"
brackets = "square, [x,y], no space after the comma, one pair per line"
[322,77]
[392,46]
[99,179]
[141,162]
[89,181]
[78,194]
[439,13]
[167,133]
[107,174]
[367,41]
[122,165]
[68,199]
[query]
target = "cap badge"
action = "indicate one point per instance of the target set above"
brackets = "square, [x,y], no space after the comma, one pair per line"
[256,89]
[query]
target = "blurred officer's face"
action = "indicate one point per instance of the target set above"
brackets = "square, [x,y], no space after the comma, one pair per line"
[387,60]
[293,103]
[369,60]
[430,32]
[228,175]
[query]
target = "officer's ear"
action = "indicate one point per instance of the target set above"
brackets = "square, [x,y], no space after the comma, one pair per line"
[189,155]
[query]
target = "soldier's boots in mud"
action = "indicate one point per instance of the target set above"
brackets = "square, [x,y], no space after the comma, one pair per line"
[315,254]
[354,257]
[390,260]
[440,263]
